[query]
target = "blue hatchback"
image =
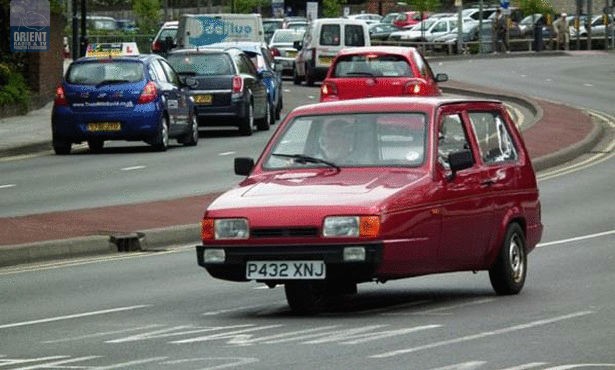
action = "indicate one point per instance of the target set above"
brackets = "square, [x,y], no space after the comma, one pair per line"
[132,98]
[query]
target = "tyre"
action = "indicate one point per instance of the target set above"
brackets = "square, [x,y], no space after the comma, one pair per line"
[278,110]
[245,129]
[61,147]
[264,123]
[96,145]
[306,297]
[508,273]
[161,139]
[309,76]
[192,137]
[296,77]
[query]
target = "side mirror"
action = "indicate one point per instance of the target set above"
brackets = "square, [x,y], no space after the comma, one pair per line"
[191,82]
[460,161]
[266,74]
[298,45]
[441,77]
[243,166]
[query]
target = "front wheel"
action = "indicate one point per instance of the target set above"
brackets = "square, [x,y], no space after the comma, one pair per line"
[306,297]
[61,147]
[508,273]
[247,123]
[264,123]
[309,76]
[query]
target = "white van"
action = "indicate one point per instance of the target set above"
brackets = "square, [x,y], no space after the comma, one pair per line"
[204,29]
[323,38]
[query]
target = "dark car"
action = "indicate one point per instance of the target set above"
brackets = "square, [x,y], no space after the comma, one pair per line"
[263,58]
[226,87]
[381,31]
[135,98]
[371,190]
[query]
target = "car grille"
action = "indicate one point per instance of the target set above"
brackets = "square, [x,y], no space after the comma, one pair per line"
[285,232]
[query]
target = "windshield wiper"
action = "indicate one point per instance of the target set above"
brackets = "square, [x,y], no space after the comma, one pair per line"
[303,159]
[111,82]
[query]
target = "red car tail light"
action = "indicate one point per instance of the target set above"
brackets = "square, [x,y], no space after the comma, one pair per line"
[60,98]
[412,88]
[149,93]
[275,52]
[328,90]
[156,46]
[237,84]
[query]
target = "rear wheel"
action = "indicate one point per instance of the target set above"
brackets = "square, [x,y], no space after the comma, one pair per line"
[61,147]
[508,273]
[309,76]
[96,145]
[248,121]
[192,137]
[278,110]
[264,123]
[296,77]
[161,140]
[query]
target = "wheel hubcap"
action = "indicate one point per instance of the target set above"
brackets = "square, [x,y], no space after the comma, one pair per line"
[516,258]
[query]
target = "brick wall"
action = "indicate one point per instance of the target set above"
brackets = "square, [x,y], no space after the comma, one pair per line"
[45,68]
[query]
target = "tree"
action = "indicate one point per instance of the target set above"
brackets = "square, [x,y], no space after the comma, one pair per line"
[147,13]
[250,6]
[332,8]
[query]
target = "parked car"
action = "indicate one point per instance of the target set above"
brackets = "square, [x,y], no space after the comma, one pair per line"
[369,18]
[475,12]
[262,57]
[297,25]
[389,18]
[427,30]
[378,189]
[448,42]
[598,27]
[379,71]
[165,38]
[226,87]
[115,94]
[409,18]
[381,31]
[283,49]
[321,42]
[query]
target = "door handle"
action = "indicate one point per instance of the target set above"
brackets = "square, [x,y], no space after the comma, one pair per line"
[488,182]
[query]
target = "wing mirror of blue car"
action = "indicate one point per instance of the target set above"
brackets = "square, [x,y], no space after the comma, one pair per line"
[243,166]
[459,161]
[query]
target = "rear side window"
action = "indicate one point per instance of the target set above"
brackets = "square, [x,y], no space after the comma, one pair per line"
[201,64]
[330,35]
[354,35]
[494,140]
[372,65]
[93,73]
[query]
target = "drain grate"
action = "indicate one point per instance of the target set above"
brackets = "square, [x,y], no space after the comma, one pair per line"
[129,242]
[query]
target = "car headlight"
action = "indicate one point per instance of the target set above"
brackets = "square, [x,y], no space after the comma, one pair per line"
[351,226]
[225,228]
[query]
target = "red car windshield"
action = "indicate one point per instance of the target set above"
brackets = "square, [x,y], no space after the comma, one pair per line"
[363,65]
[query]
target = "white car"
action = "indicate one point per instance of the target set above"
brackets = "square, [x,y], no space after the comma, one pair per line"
[367,17]
[427,30]
[284,53]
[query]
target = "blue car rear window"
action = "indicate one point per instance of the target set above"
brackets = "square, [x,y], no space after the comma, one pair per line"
[95,72]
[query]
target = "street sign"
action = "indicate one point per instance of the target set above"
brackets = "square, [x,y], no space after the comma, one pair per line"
[504,4]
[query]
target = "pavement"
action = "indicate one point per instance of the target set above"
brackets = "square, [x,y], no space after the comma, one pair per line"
[556,134]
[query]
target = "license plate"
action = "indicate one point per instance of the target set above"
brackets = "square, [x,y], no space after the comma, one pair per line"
[104,126]
[287,270]
[325,60]
[203,99]
[291,53]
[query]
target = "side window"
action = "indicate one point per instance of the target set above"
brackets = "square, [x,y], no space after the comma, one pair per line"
[494,140]
[159,71]
[170,73]
[354,35]
[330,34]
[422,66]
[451,137]
[152,73]
[245,65]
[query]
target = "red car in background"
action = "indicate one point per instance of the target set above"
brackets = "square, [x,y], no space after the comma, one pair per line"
[379,71]
[409,19]
[371,190]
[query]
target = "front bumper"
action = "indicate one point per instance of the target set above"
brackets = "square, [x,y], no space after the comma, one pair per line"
[234,267]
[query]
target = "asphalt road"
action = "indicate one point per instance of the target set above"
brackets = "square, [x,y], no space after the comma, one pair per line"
[160,310]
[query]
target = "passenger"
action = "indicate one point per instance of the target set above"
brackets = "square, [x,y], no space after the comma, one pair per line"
[337,141]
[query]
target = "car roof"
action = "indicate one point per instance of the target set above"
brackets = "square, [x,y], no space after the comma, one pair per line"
[201,50]
[132,58]
[385,104]
[253,46]
[398,50]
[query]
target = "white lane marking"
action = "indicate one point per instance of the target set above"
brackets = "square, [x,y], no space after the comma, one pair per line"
[444,308]
[50,365]
[132,168]
[482,335]
[130,363]
[230,335]
[588,84]
[463,366]
[7,186]
[68,317]
[101,334]
[213,313]
[235,361]
[531,365]
[580,366]
[584,237]
[16,361]
[175,331]
[224,154]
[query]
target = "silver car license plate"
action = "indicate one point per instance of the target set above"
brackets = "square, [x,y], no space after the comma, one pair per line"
[285,270]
